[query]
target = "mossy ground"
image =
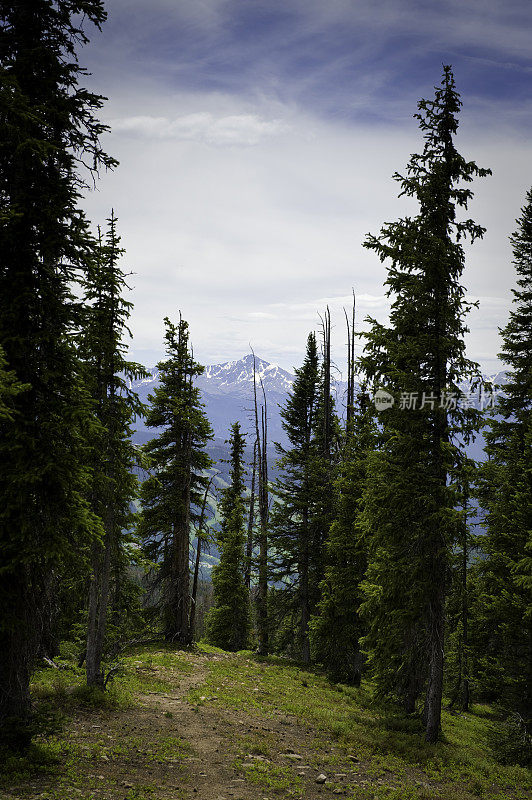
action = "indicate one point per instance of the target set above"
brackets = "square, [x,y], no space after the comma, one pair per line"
[208,724]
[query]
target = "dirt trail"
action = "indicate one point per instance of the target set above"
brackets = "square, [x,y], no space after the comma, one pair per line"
[169,747]
[214,736]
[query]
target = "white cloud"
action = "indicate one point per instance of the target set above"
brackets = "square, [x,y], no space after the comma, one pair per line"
[246,210]
[252,242]
[203,126]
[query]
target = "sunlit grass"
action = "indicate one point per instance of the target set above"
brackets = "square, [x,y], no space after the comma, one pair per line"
[382,742]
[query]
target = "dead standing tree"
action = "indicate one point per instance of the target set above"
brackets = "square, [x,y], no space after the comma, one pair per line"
[261,443]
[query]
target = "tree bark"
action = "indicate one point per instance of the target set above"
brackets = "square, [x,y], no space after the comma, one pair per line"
[251,521]
[98,606]
[18,646]
[261,432]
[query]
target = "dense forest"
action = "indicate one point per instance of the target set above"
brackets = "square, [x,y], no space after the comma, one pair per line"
[362,557]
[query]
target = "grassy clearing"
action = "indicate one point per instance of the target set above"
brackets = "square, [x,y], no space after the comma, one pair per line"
[280,727]
[382,749]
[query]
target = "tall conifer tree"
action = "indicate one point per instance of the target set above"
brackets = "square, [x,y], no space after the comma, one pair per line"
[506,494]
[337,628]
[410,510]
[296,491]
[173,493]
[48,129]
[229,621]
[108,376]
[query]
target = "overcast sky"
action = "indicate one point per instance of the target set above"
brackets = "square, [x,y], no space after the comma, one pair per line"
[257,140]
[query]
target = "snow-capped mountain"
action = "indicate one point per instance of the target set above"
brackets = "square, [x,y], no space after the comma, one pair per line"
[227,392]
[236,377]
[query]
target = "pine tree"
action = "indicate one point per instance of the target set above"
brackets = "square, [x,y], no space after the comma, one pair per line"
[506,494]
[108,375]
[204,538]
[229,621]
[292,515]
[48,130]
[9,389]
[458,668]
[324,469]
[410,502]
[173,493]
[336,629]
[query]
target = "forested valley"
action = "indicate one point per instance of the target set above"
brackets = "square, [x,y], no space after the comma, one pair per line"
[363,626]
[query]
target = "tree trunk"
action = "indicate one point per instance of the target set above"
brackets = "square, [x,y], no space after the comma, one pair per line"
[98,606]
[18,647]
[432,715]
[261,438]
[177,622]
[251,522]
[192,618]
[304,608]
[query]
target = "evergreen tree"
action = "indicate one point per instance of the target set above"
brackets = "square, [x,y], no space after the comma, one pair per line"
[336,629]
[296,493]
[506,494]
[458,668]
[48,129]
[108,375]
[229,621]
[410,503]
[324,469]
[9,389]
[173,493]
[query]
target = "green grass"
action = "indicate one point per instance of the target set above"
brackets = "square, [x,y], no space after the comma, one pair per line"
[340,729]
[60,695]
[387,747]
[271,776]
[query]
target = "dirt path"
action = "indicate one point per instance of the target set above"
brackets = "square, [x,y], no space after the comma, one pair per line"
[170,746]
[220,761]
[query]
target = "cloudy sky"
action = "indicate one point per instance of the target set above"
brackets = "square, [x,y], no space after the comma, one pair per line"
[257,140]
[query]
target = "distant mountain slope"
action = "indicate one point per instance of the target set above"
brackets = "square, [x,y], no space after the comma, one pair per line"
[227,391]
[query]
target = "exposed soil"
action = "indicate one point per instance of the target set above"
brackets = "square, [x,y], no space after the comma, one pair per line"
[135,754]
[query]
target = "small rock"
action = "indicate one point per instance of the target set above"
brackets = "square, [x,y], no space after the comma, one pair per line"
[127,785]
[354,759]
[293,756]
[321,778]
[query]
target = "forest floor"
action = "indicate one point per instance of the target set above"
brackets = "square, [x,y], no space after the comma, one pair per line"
[216,726]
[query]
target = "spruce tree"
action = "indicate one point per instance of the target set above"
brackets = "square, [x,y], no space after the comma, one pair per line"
[172,494]
[506,494]
[48,132]
[324,469]
[108,375]
[9,389]
[296,493]
[228,623]
[420,359]
[458,667]
[336,628]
